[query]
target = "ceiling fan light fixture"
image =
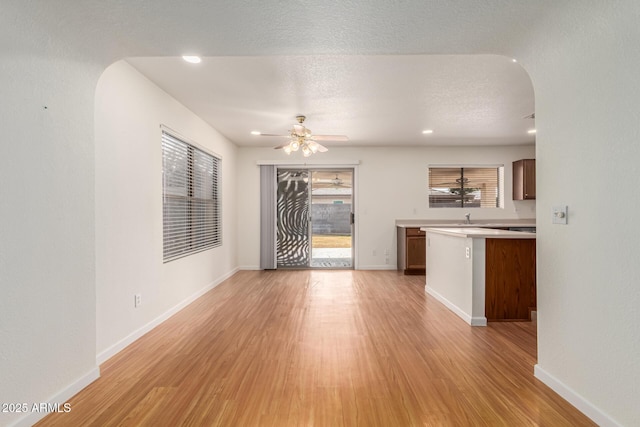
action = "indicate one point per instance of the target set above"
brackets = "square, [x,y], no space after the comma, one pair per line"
[301,138]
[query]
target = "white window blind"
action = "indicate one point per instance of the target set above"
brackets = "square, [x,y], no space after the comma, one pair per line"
[465,187]
[190,195]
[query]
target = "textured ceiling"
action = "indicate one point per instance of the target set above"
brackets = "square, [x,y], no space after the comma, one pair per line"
[379,71]
[374,100]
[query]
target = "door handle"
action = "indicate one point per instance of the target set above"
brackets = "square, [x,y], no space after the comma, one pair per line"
[352,218]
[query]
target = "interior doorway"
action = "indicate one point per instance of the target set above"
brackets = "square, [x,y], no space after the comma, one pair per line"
[315,218]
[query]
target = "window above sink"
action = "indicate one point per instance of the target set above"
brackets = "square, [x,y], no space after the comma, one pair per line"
[466,186]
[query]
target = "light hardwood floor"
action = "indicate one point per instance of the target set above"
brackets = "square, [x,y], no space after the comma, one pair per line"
[322,348]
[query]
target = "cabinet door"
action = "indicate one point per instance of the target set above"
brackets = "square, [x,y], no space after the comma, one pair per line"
[416,252]
[524,179]
[529,179]
[510,279]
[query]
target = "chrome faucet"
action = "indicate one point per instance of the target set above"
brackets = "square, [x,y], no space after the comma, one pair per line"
[468,218]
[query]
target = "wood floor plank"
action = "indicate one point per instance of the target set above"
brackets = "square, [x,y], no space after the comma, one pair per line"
[322,348]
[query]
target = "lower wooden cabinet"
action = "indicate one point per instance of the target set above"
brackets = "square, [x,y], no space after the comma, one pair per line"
[510,279]
[411,250]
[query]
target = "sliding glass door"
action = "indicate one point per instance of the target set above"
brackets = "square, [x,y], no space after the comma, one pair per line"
[332,219]
[292,234]
[315,218]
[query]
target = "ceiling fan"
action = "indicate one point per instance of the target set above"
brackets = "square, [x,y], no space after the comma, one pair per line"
[301,138]
[336,182]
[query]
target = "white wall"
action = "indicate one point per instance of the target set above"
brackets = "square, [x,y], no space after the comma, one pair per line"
[449,275]
[47,247]
[583,63]
[128,112]
[391,184]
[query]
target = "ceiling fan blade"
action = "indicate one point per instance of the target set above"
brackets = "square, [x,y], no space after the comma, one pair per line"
[280,147]
[321,148]
[330,137]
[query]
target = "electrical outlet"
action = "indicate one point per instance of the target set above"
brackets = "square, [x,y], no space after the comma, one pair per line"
[467,252]
[137,300]
[374,252]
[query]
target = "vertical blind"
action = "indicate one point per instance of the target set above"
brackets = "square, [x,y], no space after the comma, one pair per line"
[465,187]
[268,195]
[190,199]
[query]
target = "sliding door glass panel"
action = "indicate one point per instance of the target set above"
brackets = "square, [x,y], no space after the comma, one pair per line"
[331,218]
[292,245]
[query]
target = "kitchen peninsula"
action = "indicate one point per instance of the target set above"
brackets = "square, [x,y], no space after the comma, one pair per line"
[482,274]
[411,239]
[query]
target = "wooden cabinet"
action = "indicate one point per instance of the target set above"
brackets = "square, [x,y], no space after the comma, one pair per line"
[524,179]
[411,250]
[510,279]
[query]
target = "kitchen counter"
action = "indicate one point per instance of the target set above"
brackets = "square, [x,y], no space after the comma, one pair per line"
[474,232]
[482,274]
[489,223]
[411,236]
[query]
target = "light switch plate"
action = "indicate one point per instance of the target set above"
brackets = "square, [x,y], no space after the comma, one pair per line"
[560,214]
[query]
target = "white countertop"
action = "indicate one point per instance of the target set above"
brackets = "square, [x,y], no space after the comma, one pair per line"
[461,224]
[475,232]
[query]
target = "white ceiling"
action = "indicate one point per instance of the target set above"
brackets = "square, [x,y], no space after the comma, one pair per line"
[379,71]
[376,100]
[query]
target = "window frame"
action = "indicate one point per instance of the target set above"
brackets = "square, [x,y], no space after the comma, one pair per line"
[191,221]
[500,182]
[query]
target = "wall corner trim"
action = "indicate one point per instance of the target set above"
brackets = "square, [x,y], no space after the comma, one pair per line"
[61,397]
[582,404]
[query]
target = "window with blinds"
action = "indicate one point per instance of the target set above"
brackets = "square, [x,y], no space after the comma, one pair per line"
[466,187]
[190,199]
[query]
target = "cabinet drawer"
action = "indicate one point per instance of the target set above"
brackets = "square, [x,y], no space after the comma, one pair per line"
[415,232]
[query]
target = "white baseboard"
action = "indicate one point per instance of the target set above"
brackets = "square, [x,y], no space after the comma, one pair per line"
[473,321]
[377,267]
[478,321]
[129,339]
[366,267]
[61,397]
[583,405]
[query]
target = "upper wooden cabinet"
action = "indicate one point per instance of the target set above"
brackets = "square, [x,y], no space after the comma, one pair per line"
[524,179]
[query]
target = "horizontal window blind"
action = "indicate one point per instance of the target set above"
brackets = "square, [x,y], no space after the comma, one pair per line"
[462,187]
[191,204]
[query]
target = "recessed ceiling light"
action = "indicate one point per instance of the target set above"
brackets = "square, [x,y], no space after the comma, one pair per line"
[192,59]
[531,131]
[427,131]
[514,60]
[255,132]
